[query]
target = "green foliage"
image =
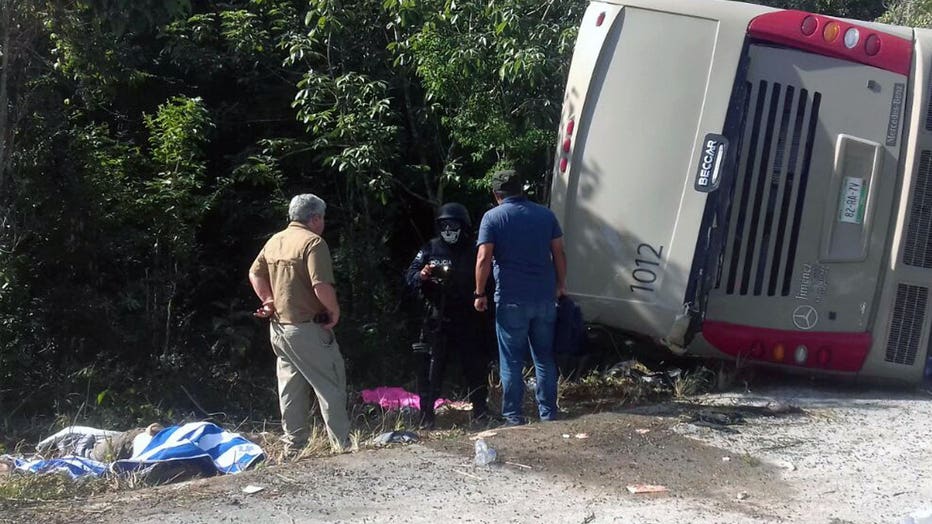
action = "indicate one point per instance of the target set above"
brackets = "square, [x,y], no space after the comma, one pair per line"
[912,13]
[179,133]
[492,72]
[857,9]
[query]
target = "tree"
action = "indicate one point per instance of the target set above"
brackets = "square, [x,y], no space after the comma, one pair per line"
[912,13]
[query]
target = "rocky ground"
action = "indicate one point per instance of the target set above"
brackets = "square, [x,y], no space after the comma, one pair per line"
[780,453]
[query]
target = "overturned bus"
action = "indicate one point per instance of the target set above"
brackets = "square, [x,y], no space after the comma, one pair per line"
[745,182]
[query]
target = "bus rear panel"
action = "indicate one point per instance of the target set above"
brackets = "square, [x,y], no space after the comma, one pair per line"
[743,182]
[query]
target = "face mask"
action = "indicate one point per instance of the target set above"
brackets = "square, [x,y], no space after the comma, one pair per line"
[449,231]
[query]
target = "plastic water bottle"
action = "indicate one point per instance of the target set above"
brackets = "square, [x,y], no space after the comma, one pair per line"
[484,454]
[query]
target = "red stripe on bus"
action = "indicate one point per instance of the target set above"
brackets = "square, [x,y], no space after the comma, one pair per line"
[787,28]
[825,350]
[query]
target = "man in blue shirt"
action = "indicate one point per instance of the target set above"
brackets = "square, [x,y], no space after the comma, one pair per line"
[525,242]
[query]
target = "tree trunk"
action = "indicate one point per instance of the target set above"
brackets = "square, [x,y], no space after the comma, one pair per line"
[6,15]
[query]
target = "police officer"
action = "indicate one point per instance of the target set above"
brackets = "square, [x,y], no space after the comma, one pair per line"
[444,273]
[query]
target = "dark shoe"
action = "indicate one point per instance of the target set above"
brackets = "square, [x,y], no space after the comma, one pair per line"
[515,421]
[484,419]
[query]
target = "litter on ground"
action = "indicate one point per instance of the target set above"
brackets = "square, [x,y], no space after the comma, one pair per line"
[646,488]
[395,398]
[395,437]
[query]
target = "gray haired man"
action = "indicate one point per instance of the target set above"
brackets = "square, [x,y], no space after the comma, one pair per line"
[293,277]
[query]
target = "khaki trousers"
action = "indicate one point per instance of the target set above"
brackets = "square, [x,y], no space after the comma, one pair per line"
[309,357]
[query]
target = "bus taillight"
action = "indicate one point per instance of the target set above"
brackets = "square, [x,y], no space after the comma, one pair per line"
[837,351]
[809,25]
[872,45]
[778,353]
[801,354]
[852,37]
[567,145]
[830,33]
[824,356]
[801,30]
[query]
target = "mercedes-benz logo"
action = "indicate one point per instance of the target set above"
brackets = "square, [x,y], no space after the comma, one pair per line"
[805,317]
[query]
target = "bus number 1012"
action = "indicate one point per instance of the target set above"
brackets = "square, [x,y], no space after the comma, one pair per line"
[647,264]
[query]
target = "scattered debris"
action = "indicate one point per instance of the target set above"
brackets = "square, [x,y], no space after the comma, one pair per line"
[642,431]
[786,465]
[922,516]
[638,371]
[467,474]
[458,405]
[250,489]
[646,488]
[484,434]
[566,435]
[776,407]
[726,459]
[582,435]
[97,508]
[484,454]
[518,465]
[742,495]
[395,398]
[395,437]
[718,420]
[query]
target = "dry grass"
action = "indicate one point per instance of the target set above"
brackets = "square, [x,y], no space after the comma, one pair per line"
[696,382]
[368,422]
[21,489]
[596,386]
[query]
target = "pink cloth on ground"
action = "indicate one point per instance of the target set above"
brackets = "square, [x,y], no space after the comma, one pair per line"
[392,398]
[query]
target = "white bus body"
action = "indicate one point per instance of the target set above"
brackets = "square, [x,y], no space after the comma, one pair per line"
[745,182]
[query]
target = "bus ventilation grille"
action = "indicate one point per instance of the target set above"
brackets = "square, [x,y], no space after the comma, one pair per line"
[774,153]
[929,109]
[917,250]
[906,329]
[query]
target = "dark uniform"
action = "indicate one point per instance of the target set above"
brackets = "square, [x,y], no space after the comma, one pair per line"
[451,325]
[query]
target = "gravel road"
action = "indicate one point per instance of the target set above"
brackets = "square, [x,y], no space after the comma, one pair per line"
[845,455]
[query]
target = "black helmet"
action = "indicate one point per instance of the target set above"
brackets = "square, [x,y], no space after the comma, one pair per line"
[454,211]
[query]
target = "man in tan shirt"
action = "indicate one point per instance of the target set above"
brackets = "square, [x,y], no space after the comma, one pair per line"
[293,277]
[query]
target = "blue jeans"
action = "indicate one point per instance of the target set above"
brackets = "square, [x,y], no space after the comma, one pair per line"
[524,328]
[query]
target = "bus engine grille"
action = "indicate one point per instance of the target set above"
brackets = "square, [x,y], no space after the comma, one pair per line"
[774,153]
[917,249]
[906,328]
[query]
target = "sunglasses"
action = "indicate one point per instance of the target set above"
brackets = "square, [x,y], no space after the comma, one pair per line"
[449,225]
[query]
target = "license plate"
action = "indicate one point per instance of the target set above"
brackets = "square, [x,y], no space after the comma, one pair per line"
[851,208]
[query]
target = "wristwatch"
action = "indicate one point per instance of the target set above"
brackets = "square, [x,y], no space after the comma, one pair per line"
[478,295]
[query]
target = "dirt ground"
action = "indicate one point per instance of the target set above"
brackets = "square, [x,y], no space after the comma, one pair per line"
[846,455]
